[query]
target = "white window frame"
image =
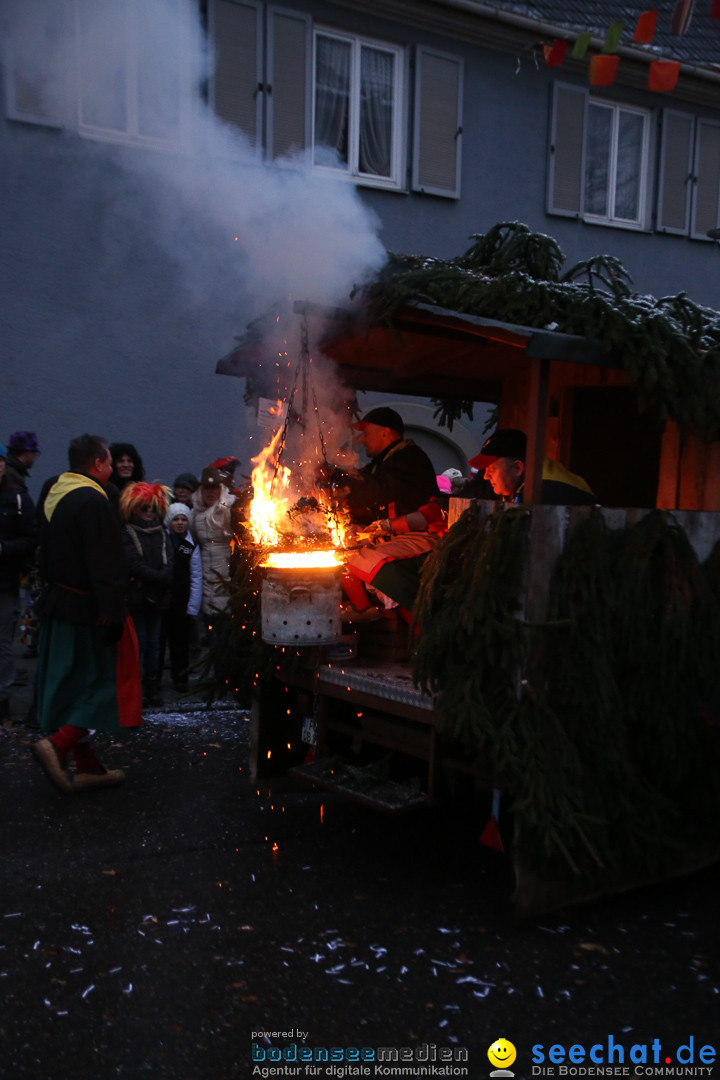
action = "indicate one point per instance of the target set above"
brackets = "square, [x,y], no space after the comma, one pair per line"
[616,109]
[575,153]
[398,151]
[132,135]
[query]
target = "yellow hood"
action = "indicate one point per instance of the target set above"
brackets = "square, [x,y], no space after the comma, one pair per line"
[67,482]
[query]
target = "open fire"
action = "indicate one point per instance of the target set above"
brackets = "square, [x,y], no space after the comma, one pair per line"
[297,530]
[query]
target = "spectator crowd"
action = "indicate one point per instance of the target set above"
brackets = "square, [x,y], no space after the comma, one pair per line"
[174,553]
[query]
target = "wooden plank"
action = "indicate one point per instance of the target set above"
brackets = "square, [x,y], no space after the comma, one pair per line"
[535,430]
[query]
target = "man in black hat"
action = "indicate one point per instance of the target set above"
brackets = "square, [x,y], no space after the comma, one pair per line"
[23,447]
[399,476]
[503,459]
[184,488]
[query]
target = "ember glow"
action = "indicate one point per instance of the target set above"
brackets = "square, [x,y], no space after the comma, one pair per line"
[298,559]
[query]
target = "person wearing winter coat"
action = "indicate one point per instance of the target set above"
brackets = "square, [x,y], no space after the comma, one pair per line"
[149,560]
[18,538]
[212,529]
[185,595]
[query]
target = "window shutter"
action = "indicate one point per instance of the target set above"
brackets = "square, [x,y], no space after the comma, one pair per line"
[676,170]
[566,157]
[289,99]
[438,123]
[236,33]
[39,57]
[707,179]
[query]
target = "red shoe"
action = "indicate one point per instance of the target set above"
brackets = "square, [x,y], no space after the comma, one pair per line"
[44,750]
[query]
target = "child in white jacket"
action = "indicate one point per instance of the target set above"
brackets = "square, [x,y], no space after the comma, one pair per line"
[186,594]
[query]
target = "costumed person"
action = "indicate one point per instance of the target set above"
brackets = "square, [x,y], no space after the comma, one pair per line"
[503,458]
[18,538]
[88,665]
[185,595]
[398,478]
[392,564]
[23,452]
[127,465]
[212,529]
[184,487]
[149,558]
[24,449]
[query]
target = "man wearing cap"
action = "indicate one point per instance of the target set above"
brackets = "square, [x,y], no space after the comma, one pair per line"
[399,476]
[184,488]
[23,450]
[503,459]
[17,546]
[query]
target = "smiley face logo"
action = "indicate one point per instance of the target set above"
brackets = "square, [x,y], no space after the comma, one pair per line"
[502,1053]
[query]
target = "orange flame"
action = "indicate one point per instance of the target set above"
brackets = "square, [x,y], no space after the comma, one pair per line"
[266,505]
[273,498]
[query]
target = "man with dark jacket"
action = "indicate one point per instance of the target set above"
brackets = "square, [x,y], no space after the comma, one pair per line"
[24,449]
[399,476]
[17,545]
[82,618]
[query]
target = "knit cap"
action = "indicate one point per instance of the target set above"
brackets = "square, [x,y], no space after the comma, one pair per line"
[175,509]
[186,480]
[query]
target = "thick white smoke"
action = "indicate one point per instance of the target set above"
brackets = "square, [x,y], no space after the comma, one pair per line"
[137,265]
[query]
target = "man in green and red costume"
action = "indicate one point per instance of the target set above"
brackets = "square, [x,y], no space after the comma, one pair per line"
[88,672]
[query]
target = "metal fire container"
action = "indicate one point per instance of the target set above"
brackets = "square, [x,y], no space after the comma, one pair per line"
[301,606]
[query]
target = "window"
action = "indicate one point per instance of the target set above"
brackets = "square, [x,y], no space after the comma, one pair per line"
[689,198]
[130,77]
[357,107]
[111,71]
[599,159]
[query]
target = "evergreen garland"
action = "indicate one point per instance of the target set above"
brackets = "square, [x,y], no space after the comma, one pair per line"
[670,347]
[611,766]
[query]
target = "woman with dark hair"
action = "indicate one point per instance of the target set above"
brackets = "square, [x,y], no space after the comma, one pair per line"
[127,466]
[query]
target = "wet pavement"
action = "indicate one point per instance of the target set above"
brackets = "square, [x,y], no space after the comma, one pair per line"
[162,928]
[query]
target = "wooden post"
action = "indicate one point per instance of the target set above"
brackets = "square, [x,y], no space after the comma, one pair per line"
[537,414]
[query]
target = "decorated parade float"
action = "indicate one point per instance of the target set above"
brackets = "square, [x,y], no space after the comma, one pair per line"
[565,659]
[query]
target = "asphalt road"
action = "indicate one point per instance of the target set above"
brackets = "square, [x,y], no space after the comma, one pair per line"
[162,928]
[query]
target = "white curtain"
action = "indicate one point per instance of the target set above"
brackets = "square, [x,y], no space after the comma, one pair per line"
[376,111]
[332,102]
[630,146]
[597,165]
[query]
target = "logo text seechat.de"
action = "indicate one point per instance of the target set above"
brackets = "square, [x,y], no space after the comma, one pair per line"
[614,1053]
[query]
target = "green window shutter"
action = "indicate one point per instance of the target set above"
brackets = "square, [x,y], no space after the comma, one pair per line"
[566,156]
[289,98]
[236,31]
[676,171]
[706,202]
[437,151]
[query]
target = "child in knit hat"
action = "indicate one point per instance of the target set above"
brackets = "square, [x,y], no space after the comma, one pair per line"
[185,594]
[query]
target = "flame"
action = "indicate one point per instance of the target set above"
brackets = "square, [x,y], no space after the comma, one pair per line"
[266,505]
[273,497]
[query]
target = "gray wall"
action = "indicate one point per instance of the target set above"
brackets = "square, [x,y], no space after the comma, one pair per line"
[122,280]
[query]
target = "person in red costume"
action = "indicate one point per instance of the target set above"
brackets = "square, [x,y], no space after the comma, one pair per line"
[392,561]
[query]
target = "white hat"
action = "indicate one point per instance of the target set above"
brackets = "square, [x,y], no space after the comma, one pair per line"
[453,474]
[175,510]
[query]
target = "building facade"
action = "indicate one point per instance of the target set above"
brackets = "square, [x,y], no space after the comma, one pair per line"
[173,168]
